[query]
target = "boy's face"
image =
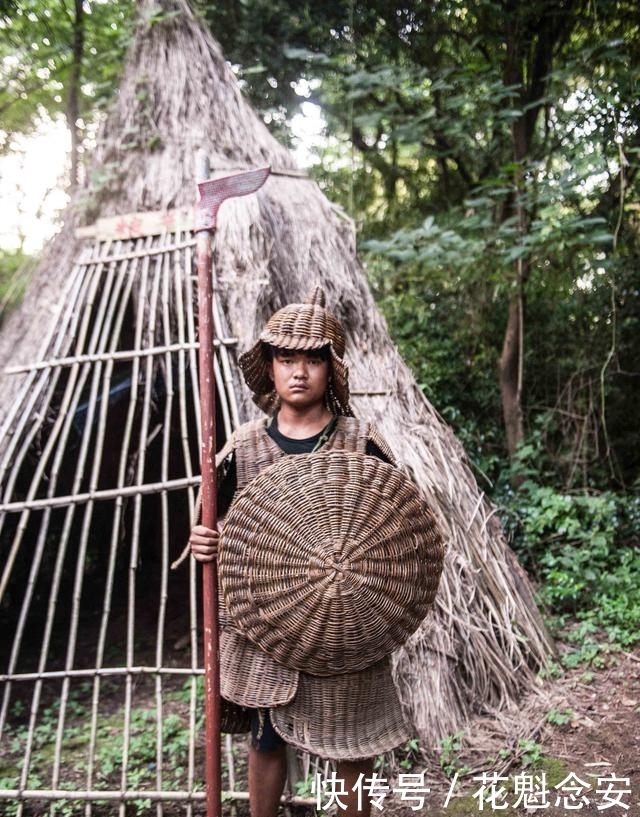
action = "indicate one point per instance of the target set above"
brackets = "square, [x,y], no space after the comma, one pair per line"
[300,378]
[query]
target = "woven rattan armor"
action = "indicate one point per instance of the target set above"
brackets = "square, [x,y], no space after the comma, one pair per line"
[250,677]
[256,450]
[345,717]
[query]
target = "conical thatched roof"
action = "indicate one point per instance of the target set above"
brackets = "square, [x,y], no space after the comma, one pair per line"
[99,449]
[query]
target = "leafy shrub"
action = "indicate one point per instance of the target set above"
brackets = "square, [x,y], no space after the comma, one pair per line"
[582,550]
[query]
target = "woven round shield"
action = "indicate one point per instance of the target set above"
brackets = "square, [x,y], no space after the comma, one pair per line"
[329,561]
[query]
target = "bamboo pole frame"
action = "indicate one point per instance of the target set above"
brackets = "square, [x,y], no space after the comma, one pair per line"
[153,276]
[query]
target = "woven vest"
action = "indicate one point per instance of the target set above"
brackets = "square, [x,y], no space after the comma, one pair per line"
[248,676]
[255,450]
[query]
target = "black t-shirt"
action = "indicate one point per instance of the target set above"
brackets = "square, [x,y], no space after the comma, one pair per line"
[229,482]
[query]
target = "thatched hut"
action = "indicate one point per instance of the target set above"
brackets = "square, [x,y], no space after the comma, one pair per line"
[99,447]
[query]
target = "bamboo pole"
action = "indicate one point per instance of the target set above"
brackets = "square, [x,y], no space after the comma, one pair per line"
[147,309]
[102,494]
[100,672]
[123,797]
[99,357]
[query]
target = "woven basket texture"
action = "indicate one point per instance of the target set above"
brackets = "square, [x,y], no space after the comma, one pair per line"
[249,677]
[309,325]
[345,717]
[329,561]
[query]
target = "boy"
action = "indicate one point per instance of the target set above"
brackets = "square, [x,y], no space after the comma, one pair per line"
[298,377]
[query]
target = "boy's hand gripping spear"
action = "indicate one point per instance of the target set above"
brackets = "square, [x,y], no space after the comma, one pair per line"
[212,193]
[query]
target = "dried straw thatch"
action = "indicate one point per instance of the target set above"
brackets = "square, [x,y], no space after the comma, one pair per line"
[99,451]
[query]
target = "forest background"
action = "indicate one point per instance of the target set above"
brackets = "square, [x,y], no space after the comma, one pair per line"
[488,153]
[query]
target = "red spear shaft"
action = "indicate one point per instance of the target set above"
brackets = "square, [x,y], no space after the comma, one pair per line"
[212,193]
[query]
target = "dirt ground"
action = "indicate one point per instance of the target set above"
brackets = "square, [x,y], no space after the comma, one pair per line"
[598,745]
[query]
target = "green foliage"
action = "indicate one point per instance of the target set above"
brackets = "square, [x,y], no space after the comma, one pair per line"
[421,109]
[9,809]
[444,289]
[37,56]
[526,752]
[304,788]
[582,548]
[560,717]
[449,750]
[407,755]
[529,751]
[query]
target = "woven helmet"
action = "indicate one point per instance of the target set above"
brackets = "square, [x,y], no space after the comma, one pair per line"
[299,327]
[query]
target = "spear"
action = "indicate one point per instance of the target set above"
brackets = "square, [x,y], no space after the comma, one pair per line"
[212,192]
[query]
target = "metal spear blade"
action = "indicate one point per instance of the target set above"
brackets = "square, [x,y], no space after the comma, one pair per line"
[214,191]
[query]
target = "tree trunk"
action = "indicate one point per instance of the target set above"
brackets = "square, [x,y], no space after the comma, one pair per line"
[530,42]
[510,373]
[73,98]
[511,359]
[511,369]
